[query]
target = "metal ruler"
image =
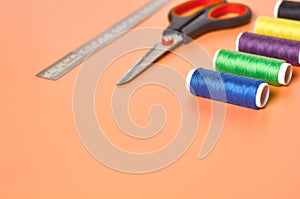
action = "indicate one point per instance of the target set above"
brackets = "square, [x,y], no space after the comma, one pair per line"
[71,60]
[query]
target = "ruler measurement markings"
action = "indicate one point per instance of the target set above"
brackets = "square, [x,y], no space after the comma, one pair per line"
[72,59]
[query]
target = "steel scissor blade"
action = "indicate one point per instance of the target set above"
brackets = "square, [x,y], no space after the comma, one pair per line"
[151,56]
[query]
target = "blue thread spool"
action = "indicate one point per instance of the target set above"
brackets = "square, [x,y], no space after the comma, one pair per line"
[234,89]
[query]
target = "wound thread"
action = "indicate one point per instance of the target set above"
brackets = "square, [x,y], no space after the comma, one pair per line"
[273,71]
[234,89]
[278,27]
[286,49]
[287,9]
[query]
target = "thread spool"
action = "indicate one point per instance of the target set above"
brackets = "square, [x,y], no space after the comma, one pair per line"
[278,27]
[286,49]
[234,89]
[273,71]
[287,9]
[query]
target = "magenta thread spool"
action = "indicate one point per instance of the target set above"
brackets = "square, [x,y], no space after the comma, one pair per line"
[286,49]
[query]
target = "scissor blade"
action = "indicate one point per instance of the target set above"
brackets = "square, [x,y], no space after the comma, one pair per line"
[146,61]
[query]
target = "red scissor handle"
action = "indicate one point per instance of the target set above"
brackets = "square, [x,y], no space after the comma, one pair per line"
[227,8]
[190,5]
[206,16]
[181,15]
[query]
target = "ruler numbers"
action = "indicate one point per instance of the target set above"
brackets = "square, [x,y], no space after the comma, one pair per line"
[71,60]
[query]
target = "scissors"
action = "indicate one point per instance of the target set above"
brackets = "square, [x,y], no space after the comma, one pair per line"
[206,16]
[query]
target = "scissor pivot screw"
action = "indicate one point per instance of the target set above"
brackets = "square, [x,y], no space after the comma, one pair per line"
[166,41]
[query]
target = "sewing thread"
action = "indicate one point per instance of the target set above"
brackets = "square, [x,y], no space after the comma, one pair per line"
[225,87]
[287,9]
[271,70]
[286,49]
[278,27]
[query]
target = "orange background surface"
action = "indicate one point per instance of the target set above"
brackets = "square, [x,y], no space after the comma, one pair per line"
[41,153]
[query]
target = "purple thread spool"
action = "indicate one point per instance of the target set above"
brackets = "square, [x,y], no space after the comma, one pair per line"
[286,49]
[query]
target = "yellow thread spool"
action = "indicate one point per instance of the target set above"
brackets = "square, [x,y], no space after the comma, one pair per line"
[278,27]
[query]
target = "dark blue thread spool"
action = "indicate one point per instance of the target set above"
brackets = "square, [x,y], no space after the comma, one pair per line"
[234,89]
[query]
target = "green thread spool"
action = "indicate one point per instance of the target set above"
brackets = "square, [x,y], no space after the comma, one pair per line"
[273,71]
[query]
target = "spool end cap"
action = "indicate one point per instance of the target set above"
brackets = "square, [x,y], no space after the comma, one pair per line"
[188,79]
[276,8]
[285,74]
[262,95]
